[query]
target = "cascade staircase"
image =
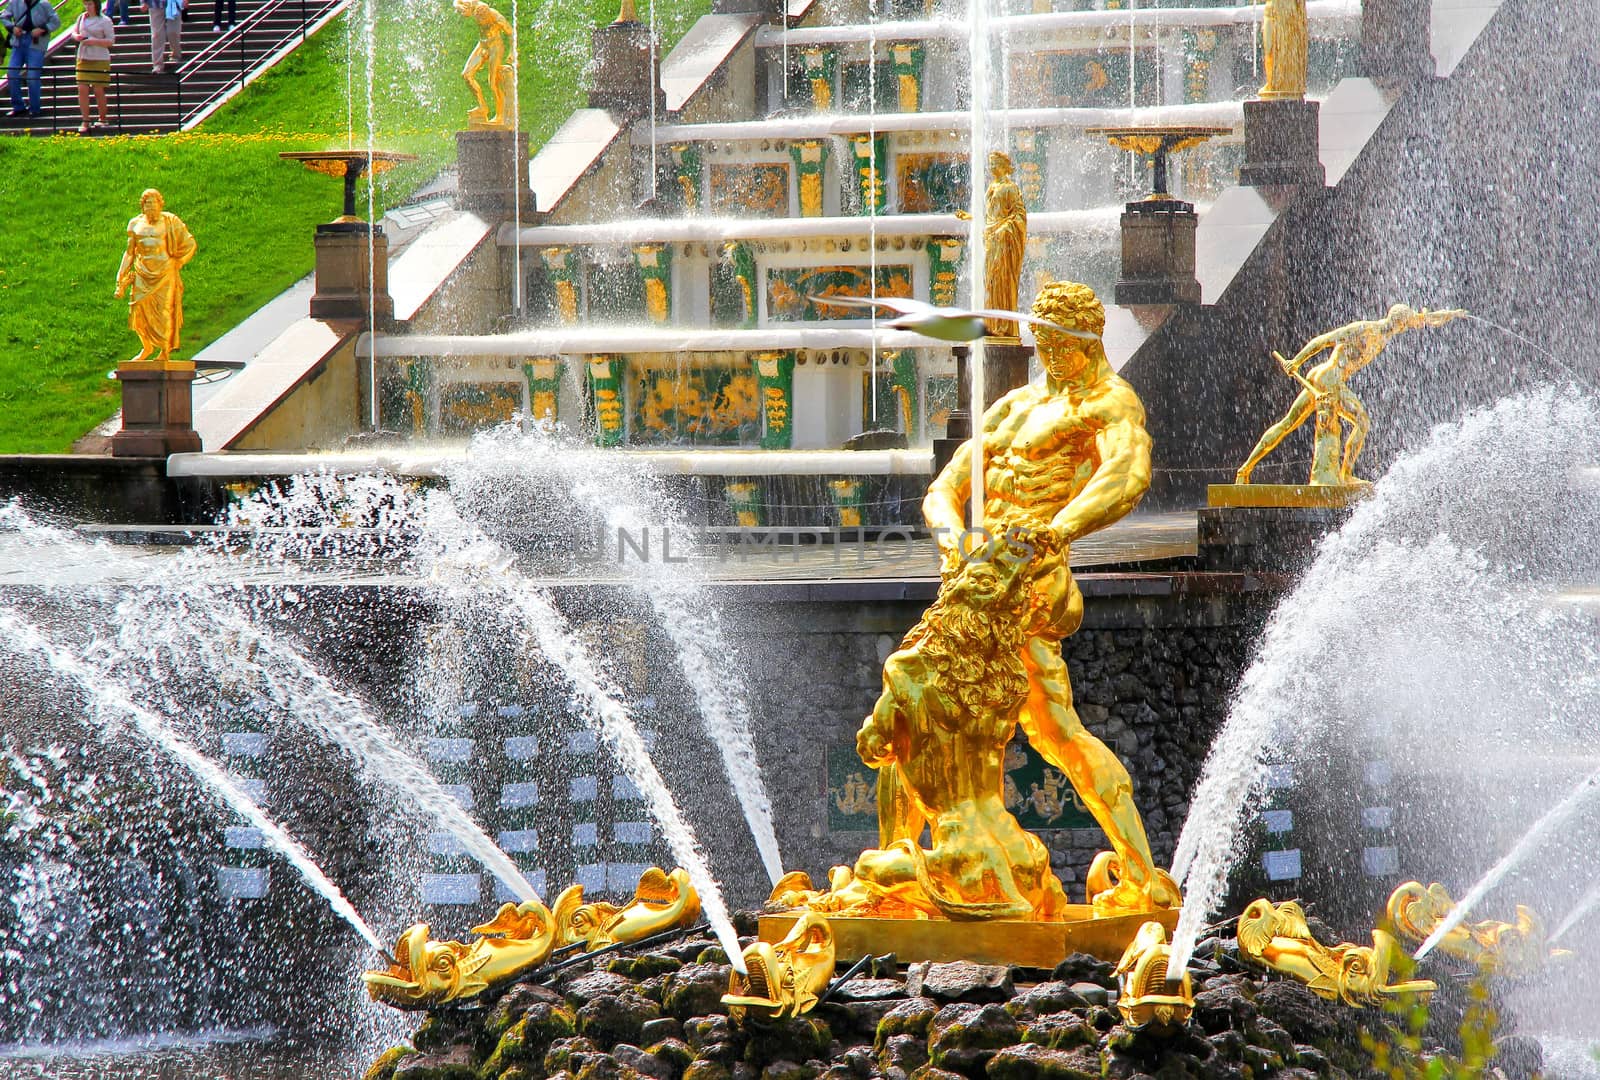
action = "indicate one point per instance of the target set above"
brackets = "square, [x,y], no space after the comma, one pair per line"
[215,66]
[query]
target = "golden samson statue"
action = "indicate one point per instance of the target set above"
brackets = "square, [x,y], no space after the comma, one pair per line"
[1060,460]
[159,244]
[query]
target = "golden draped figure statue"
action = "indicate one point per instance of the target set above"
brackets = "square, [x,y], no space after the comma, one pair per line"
[1284,44]
[159,244]
[1005,239]
[1060,460]
[496,50]
[1325,394]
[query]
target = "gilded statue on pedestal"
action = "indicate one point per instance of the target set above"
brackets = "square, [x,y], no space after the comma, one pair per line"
[159,245]
[1005,239]
[1283,45]
[496,50]
[1326,396]
[1060,460]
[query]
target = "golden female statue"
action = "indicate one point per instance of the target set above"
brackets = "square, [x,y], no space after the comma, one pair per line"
[1283,42]
[1060,460]
[494,50]
[1326,395]
[1005,238]
[159,244]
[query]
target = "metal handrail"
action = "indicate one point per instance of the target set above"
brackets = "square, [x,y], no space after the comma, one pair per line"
[239,42]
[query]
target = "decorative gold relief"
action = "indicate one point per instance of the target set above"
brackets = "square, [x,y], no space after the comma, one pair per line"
[1278,937]
[783,979]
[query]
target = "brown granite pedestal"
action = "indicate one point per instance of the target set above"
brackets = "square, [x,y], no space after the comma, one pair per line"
[492,173]
[157,409]
[1281,144]
[352,272]
[1158,253]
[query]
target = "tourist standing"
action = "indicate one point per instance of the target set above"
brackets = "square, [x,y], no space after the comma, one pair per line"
[118,10]
[166,33]
[221,20]
[28,25]
[95,36]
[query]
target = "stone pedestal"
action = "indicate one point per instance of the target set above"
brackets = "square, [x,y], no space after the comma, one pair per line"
[1395,45]
[492,172]
[958,428]
[1005,367]
[1280,144]
[352,272]
[1158,254]
[1266,539]
[620,74]
[157,409]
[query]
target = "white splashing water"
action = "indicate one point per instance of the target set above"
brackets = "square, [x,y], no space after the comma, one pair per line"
[1542,829]
[112,701]
[618,491]
[1423,615]
[472,573]
[190,626]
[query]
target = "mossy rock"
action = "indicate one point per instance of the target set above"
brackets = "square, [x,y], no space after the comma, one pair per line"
[520,1072]
[713,954]
[696,990]
[1044,999]
[616,1018]
[908,1018]
[1030,1061]
[559,1057]
[643,967]
[1060,1031]
[701,1031]
[444,1029]
[453,1064]
[675,1052]
[796,1039]
[511,1007]
[788,1070]
[905,1052]
[383,1068]
[527,1041]
[962,1038]
[602,1067]
[706,1070]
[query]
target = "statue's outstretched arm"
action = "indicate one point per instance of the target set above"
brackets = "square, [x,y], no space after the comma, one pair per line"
[1118,484]
[1312,348]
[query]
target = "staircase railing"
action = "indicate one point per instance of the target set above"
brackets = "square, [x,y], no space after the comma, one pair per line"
[234,48]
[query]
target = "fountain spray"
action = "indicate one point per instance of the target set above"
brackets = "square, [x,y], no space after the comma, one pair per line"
[111,700]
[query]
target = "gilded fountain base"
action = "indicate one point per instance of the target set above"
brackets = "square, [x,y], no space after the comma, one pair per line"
[1014,942]
[1336,496]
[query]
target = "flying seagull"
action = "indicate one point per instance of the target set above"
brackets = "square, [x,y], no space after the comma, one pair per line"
[944,323]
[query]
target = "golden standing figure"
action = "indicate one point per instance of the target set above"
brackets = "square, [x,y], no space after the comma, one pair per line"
[1005,239]
[1283,43]
[496,50]
[1326,396]
[159,245]
[1061,460]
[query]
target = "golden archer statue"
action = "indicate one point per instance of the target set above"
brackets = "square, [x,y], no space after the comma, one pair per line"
[159,245]
[1326,395]
[1005,239]
[1061,460]
[496,50]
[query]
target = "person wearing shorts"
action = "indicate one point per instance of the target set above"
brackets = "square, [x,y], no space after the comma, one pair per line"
[95,34]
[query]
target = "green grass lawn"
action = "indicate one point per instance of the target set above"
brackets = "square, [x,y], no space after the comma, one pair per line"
[252,215]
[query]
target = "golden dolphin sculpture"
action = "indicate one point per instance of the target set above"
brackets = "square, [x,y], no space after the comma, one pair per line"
[1277,937]
[786,979]
[1144,995]
[1506,948]
[662,901]
[427,973]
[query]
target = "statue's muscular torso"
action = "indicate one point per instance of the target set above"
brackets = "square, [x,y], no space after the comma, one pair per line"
[1043,452]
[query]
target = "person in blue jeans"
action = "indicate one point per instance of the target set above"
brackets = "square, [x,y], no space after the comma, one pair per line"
[28,25]
[118,10]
